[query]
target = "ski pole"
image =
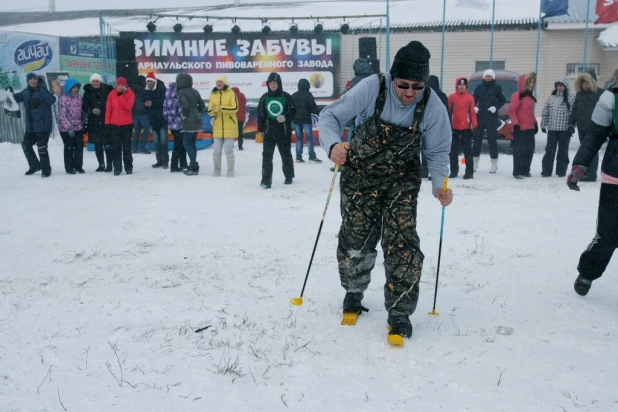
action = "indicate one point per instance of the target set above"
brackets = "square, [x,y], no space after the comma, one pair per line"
[435,295]
[299,301]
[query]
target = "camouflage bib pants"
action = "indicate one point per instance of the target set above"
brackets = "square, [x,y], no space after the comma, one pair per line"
[380,182]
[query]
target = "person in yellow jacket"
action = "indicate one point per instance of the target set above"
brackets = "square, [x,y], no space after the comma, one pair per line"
[223,105]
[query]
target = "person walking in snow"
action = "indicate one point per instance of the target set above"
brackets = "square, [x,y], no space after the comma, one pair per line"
[241,114]
[555,122]
[153,97]
[119,118]
[70,127]
[398,117]
[191,106]
[172,115]
[587,96]
[275,114]
[463,123]
[93,104]
[594,260]
[525,127]
[222,106]
[489,99]
[305,105]
[38,102]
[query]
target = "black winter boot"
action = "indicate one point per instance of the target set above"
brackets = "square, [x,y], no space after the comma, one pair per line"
[194,169]
[582,286]
[399,325]
[32,171]
[288,181]
[352,303]
[100,168]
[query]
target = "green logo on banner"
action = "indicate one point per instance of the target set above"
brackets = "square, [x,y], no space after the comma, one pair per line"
[274,106]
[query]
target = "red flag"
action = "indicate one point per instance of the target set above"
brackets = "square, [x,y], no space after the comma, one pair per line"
[607,10]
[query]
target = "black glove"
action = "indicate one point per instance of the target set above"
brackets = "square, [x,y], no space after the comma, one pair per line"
[544,129]
[576,174]
[9,89]
[121,93]
[536,128]
[571,130]
[516,130]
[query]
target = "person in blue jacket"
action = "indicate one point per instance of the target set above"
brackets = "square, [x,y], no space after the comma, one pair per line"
[38,102]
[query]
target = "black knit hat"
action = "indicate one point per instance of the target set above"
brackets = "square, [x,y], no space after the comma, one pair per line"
[411,62]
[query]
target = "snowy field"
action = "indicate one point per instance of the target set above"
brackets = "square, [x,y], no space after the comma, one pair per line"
[104,281]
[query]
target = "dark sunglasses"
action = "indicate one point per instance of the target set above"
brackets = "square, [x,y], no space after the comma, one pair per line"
[407,86]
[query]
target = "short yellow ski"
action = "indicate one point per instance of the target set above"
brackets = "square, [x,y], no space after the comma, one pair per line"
[349,318]
[395,340]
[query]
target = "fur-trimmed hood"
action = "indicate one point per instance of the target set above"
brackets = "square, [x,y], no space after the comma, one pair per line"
[585,77]
[525,80]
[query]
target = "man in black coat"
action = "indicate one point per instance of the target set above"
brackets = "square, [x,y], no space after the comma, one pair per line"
[305,105]
[488,98]
[93,104]
[275,114]
[587,96]
[153,97]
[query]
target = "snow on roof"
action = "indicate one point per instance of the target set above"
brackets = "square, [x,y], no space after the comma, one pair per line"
[403,14]
[609,37]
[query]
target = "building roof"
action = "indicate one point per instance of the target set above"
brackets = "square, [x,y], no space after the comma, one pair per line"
[404,15]
[608,39]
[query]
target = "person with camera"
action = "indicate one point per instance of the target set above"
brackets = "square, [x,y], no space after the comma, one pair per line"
[38,102]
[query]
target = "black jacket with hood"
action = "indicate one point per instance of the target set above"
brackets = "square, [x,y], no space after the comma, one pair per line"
[434,83]
[304,103]
[265,123]
[362,69]
[585,101]
[95,99]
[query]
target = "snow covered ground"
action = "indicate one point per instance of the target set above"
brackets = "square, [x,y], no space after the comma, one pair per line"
[104,280]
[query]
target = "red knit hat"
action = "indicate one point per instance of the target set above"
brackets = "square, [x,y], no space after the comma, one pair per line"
[151,76]
[121,81]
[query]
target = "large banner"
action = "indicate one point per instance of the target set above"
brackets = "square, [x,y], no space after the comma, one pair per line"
[245,59]
[21,53]
[81,56]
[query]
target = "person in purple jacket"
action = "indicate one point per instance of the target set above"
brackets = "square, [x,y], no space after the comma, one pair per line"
[172,114]
[70,127]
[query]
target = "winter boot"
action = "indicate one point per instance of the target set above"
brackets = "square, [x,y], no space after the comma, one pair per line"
[399,325]
[352,308]
[100,168]
[288,181]
[468,176]
[230,167]
[494,166]
[32,170]
[164,166]
[157,165]
[265,184]
[314,159]
[299,160]
[109,167]
[217,163]
[582,286]
[477,159]
[194,169]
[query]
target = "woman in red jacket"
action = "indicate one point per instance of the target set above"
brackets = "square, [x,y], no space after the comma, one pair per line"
[119,117]
[463,122]
[525,127]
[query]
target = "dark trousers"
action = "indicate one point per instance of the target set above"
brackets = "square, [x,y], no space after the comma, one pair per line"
[98,137]
[561,141]
[73,151]
[179,154]
[284,143]
[462,141]
[241,125]
[40,139]
[523,151]
[596,257]
[159,135]
[591,172]
[120,137]
[189,140]
[491,125]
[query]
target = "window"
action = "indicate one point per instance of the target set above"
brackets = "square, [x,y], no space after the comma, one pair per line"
[484,65]
[575,69]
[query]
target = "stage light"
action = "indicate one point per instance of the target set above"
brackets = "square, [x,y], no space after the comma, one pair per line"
[208,29]
[345,28]
[318,29]
[236,29]
[151,27]
[294,29]
[265,29]
[177,28]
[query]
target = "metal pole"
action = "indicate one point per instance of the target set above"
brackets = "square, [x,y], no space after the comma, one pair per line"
[442,55]
[493,25]
[538,39]
[586,37]
[388,37]
[103,49]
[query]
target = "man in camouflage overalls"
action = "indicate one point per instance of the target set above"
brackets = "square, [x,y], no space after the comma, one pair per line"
[397,119]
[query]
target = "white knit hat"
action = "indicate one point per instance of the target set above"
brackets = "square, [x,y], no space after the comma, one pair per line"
[96,76]
[489,72]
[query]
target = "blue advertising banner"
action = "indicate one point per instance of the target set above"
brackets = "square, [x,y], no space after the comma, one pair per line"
[80,47]
[21,53]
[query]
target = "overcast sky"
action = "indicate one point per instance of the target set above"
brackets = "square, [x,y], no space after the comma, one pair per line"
[64,5]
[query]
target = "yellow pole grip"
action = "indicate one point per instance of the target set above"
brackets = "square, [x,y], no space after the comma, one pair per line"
[445,185]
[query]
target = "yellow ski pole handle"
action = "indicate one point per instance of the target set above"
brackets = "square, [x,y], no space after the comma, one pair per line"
[445,184]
